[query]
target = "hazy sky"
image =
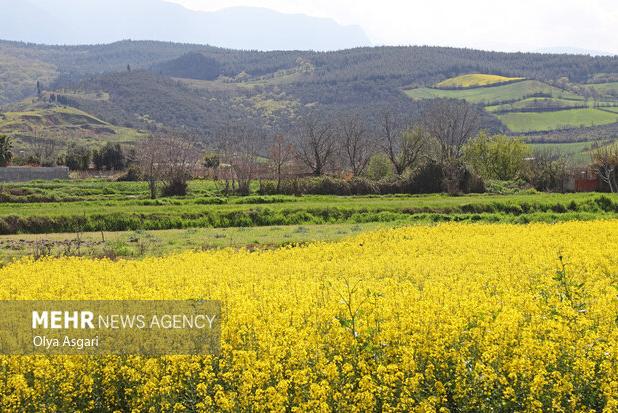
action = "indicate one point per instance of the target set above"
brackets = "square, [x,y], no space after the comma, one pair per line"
[486,24]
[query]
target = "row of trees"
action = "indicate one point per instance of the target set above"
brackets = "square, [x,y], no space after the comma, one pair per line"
[110,157]
[445,142]
[348,144]
[78,157]
[442,140]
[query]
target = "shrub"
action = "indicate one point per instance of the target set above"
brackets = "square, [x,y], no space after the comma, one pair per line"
[363,186]
[426,179]
[328,186]
[379,167]
[176,188]
[133,174]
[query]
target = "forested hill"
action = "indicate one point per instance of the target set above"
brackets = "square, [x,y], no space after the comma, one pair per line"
[415,64]
[200,87]
[404,65]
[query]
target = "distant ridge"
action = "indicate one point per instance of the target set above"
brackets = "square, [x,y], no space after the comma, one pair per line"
[575,51]
[72,22]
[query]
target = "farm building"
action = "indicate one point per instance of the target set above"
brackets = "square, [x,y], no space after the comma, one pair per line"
[582,180]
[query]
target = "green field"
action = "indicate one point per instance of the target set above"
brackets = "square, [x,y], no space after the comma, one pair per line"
[563,119]
[608,89]
[103,206]
[475,80]
[488,95]
[279,78]
[528,105]
[117,219]
[577,152]
[549,103]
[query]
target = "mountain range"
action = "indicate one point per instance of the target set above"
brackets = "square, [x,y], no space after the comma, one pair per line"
[71,22]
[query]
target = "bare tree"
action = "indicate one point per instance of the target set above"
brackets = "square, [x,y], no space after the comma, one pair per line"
[149,161]
[605,160]
[281,154]
[316,144]
[452,123]
[548,170]
[181,157]
[403,144]
[239,145]
[169,158]
[43,150]
[355,143]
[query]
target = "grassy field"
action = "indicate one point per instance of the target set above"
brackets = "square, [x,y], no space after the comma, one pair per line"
[579,153]
[576,152]
[137,244]
[496,94]
[117,219]
[610,88]
[545,121]
[188,206]
[280,78]
[101,206]
[475,80]
[512,102]
[549,103]
[133,228]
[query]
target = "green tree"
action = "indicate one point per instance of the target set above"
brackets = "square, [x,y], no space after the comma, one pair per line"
[496,157]
[6,150]
[110,157]
[78,157]
[379,167]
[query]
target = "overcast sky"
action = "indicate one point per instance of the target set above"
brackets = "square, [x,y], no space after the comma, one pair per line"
[526,25]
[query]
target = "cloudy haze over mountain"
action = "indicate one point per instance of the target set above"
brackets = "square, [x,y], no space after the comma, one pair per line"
[525,25]
[104,21]
[529,25]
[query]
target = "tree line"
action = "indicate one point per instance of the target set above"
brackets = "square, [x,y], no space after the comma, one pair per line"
[443,150]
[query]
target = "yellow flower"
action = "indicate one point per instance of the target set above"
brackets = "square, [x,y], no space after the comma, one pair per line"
[424,318]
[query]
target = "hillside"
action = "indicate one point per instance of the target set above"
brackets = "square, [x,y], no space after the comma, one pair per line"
[392,66]
[202,88]
[496,94]
[34,121]
[532,106]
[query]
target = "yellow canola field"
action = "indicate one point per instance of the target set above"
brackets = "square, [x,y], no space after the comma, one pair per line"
[448,318]
[475,80]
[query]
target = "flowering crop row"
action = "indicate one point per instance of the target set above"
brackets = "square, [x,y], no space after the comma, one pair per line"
[453,317]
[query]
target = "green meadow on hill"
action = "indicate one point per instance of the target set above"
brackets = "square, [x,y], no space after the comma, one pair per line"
[552,120]
[534,107]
